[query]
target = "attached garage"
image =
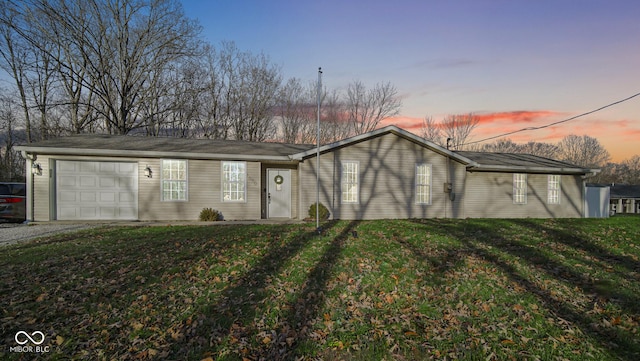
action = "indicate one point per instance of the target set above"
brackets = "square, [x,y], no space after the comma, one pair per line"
[96,190]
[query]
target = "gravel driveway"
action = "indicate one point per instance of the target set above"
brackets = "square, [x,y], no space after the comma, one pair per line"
[11,233]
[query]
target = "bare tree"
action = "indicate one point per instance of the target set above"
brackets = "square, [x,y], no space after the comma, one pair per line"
[122,45]
[458,128]
[452,131]
[546,150]
[259,81]
[295,111]
[432,131]
[367,108]
[632,170]
[501,146]
[11,163]
[15,56]
[583,150]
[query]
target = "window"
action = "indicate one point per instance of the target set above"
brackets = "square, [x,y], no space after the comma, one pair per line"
[174,180]
[423,183]
[234,180]
[553,189]
[350,182]
[519,188]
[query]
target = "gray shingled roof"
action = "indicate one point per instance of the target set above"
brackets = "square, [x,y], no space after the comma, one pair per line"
[98,144]
[624,191]
[514,160]
[140,146]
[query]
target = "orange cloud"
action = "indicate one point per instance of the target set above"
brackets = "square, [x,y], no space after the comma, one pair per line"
[519,116]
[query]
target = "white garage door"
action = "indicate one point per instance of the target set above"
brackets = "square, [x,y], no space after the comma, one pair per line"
[96,190]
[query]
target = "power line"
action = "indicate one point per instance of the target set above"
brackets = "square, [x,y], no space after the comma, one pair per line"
[558,122]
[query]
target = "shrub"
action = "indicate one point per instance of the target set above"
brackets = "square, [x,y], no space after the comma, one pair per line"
[210,215]
[323,212]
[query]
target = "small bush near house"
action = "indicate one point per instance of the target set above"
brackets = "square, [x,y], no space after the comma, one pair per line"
[323,212]
[210,215]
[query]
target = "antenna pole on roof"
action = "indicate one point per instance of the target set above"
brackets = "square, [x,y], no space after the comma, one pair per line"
[318,154]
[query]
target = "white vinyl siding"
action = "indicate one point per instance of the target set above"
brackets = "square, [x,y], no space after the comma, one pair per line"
[174,180]
[349,183]
[519,188]
[423,183]
[234,181]
[553,189]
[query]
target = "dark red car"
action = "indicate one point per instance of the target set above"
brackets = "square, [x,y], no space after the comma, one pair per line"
[13,202]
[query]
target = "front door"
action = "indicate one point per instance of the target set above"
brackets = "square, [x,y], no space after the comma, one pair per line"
[279,193]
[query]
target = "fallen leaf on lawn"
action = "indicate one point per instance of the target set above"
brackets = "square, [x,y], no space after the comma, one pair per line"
[508,342]
[41,297]
[137,326]
[266,340]
[59,340]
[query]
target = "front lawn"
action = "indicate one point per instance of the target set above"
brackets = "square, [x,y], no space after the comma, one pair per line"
[371,290]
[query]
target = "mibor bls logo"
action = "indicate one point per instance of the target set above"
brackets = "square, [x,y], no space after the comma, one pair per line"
[36,339]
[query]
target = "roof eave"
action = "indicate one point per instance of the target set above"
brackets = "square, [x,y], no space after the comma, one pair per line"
[149,154]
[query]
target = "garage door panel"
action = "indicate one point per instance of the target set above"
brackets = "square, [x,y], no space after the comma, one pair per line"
[127,168]
[88,167]
[107,212]
[96,190]
[107,182]
[65,196]
[67,213]
[88,212]
[107,197]
[87,181]
[87,197]
[67,181]
[107,167]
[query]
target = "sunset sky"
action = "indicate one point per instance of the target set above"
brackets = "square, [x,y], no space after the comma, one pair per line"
[516,64]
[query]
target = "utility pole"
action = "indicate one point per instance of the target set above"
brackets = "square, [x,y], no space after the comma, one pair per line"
[318,154]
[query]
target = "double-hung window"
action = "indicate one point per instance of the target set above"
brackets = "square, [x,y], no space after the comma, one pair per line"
[234,181]
[553,189]
[519,188]
[423,183]
[349,183]
[174,180]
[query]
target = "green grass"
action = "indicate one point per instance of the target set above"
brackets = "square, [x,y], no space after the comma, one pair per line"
[407,290]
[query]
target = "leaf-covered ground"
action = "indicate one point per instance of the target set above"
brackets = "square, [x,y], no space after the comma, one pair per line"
[374,290]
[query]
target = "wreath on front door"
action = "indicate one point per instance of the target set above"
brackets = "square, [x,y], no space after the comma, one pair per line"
[278,179]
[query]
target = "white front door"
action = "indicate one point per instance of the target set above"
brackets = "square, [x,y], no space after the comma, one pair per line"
[96,190]
[279,193]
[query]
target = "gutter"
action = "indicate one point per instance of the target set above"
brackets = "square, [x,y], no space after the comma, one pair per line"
[505,168]
[150,154]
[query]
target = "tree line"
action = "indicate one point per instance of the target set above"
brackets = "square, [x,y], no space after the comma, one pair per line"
[140,67]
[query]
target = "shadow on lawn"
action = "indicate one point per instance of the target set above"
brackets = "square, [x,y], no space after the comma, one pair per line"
[233,316]
[485,239]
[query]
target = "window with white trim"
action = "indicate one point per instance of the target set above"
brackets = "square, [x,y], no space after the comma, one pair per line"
[423,183]
[234,181]
[519,188]
[349,182]
[174,180]
[553,189]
